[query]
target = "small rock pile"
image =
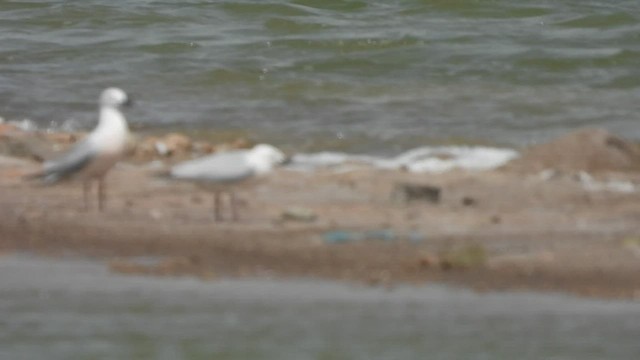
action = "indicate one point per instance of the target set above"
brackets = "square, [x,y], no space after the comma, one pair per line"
[171,147]
[176,147]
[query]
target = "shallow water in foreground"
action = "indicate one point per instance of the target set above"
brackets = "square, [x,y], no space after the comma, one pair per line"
[75,309]
[361,76]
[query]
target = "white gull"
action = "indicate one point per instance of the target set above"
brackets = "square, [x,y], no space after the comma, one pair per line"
[91,158]
[220,172]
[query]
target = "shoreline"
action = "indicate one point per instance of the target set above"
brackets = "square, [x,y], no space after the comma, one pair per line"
[503,229]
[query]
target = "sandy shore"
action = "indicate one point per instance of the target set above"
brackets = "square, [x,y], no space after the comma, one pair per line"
[543,222]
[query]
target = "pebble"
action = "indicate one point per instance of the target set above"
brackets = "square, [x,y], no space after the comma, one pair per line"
[162,149]
[298,214]
[156,214]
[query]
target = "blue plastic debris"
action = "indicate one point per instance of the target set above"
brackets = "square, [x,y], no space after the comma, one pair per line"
[416,237]
[386,235]
[341,236]
[381,234]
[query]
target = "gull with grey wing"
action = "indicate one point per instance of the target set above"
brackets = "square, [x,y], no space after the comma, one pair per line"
[223,171]
[92,158]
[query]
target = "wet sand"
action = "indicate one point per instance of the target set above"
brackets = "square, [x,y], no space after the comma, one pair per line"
[503,229]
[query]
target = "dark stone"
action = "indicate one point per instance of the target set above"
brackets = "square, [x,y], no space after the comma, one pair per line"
[469,201]
[405,192]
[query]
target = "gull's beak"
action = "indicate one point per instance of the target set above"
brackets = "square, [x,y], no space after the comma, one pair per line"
[129,102]
[286,160]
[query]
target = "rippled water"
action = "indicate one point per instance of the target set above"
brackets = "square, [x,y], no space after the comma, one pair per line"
[330,74]
[77,310]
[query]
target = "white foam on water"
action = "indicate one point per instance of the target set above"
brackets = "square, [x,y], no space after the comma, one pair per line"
[420,160]
[28,125]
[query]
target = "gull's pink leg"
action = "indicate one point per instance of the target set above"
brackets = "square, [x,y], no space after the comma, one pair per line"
[101,194]
[86,188]
[234,206]
[217,208]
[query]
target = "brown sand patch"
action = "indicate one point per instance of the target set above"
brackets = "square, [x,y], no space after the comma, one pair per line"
[591,150]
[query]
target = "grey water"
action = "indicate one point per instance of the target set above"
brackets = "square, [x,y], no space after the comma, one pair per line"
[76,309]
[367,76]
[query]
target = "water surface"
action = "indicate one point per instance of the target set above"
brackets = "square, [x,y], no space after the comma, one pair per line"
[365,76]
[75,309]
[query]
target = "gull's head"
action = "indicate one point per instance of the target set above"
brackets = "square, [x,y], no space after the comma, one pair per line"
[264,157]
[115,97]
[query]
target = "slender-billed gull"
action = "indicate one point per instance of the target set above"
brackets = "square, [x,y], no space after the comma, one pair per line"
[94,156]
[222,171]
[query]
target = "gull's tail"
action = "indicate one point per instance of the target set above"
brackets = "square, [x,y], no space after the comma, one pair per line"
[43,175]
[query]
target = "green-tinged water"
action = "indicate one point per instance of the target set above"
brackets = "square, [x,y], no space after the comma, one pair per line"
[77,310]
[351,74]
